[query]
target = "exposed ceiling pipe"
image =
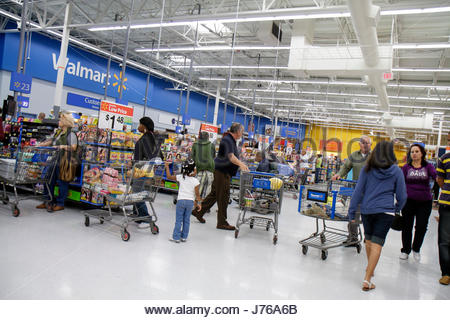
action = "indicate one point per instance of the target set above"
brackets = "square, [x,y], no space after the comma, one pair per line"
[365,17]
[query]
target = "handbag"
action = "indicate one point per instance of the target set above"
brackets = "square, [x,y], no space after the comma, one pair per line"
[67,167]
[68,164]
[397,223]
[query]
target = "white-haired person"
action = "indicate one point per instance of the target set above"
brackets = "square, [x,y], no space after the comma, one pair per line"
[65,140]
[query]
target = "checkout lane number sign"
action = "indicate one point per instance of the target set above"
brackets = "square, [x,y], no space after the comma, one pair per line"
[115,116]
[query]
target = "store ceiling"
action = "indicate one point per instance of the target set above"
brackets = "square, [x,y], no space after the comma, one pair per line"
[332,100]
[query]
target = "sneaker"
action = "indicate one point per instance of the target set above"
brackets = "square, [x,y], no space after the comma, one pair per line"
[403,256]
[445,280]
[173,240]
[183,240]
[143,225]
[416,256]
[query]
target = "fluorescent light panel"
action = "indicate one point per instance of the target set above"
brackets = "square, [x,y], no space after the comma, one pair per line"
[277,15]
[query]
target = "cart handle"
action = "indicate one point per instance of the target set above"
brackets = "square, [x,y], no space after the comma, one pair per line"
[347,180]
[261,173]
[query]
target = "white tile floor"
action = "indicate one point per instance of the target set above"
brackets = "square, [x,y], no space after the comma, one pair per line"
[54,256]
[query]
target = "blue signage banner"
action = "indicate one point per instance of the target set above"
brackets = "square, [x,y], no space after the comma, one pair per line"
[186,120]
[178,129]
[251,135]
[24,102]
[287,132]
[74,99]
[122,101]
[20,82]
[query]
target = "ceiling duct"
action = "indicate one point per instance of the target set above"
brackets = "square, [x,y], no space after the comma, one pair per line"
[269,33]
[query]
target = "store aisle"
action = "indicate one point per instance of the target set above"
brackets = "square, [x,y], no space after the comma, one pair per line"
[54,256]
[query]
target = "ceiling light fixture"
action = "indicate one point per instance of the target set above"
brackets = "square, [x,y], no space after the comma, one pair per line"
[270,15]
[419,70]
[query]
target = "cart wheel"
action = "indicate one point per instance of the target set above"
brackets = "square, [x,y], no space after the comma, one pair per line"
[358,248]
[174,201]
[230,201]
[251,223]
[102,220]
[275,239]
[268,226]
[236,233]
[5,200]
[87,221]
[15,211]
[125,235]
[324,254]
[154,229]
[295,196]
[304,249]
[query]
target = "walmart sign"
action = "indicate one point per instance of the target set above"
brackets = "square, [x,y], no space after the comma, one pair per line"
[78,70]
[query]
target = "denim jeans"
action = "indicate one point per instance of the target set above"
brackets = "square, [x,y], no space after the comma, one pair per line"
[63,189]
[376,226]
[444,239]
[183,219]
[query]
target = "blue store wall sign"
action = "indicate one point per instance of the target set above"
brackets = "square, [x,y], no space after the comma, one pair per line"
[20,82]
[77,100]
[24,102]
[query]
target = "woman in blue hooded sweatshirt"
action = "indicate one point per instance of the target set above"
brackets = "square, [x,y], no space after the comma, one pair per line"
[380,182]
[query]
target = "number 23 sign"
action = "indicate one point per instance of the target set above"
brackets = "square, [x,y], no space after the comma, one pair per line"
[20,82]
[115,116]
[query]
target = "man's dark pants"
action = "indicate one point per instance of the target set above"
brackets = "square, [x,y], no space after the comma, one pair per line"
[220,193]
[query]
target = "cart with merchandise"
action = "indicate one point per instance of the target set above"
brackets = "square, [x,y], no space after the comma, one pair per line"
[123,190]
[327,202]
[31,171]
[235,182]
[261,193]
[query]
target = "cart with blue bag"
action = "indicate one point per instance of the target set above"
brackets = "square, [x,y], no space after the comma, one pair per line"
[262,194]
[30,171]
[326,203]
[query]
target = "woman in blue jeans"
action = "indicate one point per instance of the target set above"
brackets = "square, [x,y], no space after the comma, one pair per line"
[378,182]
[188,196]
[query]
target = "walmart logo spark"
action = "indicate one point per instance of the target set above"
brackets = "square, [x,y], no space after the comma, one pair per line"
[117,83]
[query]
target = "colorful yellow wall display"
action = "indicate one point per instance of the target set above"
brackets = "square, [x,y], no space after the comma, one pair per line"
[349,139]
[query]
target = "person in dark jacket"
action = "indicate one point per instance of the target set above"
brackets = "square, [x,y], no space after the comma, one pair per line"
[203,153]
[378,182]
[263,162]
[146,148]
[227,164]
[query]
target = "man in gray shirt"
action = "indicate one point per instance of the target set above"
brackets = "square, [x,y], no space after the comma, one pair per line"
[356,161]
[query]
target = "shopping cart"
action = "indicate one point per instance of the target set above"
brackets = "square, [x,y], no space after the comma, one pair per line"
[259,194]
[137,184]
[327,202]
[31,171]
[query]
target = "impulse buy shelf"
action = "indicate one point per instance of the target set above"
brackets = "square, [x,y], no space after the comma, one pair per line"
[27,133]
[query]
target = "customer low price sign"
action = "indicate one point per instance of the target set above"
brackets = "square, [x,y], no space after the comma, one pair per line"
[115,116]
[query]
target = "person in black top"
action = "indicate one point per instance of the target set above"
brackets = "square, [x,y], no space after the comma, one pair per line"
[226,165]
[145,149]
